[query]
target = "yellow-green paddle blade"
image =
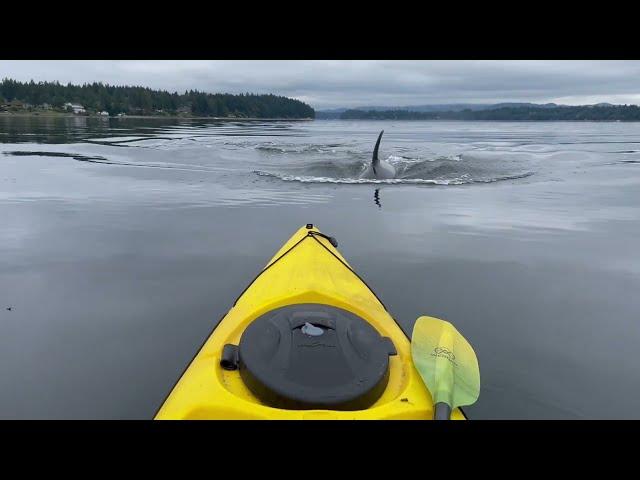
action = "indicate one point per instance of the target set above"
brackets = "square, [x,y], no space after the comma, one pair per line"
[446,362]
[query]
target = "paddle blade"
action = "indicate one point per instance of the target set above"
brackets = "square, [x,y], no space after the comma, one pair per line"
[446,362]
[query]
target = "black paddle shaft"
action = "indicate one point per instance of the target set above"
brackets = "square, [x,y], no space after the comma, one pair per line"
[443,411]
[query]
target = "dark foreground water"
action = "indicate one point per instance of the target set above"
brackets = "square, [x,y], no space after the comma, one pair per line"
[122,242]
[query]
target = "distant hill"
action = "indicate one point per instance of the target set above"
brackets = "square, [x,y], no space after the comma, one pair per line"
[507,112]
[330,114]
[458,107]
[523,105]
[446,107]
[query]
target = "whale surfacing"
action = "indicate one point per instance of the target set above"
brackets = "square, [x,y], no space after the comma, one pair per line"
[379,169]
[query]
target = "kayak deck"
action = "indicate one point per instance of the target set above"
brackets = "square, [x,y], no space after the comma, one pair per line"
[307,269]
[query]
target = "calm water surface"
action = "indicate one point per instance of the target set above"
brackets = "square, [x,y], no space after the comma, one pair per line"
[123,242]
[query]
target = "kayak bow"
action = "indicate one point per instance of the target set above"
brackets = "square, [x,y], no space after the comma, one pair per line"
[307,339]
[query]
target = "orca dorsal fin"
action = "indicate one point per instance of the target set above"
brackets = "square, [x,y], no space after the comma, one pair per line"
[375,160]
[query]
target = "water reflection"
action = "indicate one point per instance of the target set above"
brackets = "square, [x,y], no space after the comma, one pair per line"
[376,198]
[135,236]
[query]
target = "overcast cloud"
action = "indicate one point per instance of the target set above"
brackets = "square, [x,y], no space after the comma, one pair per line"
[330,84]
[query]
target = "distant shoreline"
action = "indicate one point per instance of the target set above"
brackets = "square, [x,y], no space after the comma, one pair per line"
[159,117]
[461,120]
[182,117]
[596,113]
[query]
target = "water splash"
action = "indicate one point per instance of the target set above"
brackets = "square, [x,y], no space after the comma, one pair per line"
[462,180]
[443,170]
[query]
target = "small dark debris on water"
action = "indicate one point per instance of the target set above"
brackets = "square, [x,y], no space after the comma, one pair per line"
[9,308]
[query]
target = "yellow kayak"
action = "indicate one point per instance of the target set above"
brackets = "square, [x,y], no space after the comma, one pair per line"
[307,339]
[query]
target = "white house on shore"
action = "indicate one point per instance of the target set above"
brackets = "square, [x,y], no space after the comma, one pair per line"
[77,108]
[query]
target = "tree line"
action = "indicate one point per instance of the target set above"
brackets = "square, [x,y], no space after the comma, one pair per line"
[145,101]
[564,113]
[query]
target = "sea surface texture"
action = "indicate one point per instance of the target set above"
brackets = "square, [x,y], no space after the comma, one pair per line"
[123,242]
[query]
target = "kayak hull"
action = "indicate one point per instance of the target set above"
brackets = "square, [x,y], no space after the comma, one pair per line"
[307,269]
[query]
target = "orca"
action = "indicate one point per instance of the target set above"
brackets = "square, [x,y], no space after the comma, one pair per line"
[379,169]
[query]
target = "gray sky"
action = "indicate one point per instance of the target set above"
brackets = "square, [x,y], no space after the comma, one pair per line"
[329,84]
